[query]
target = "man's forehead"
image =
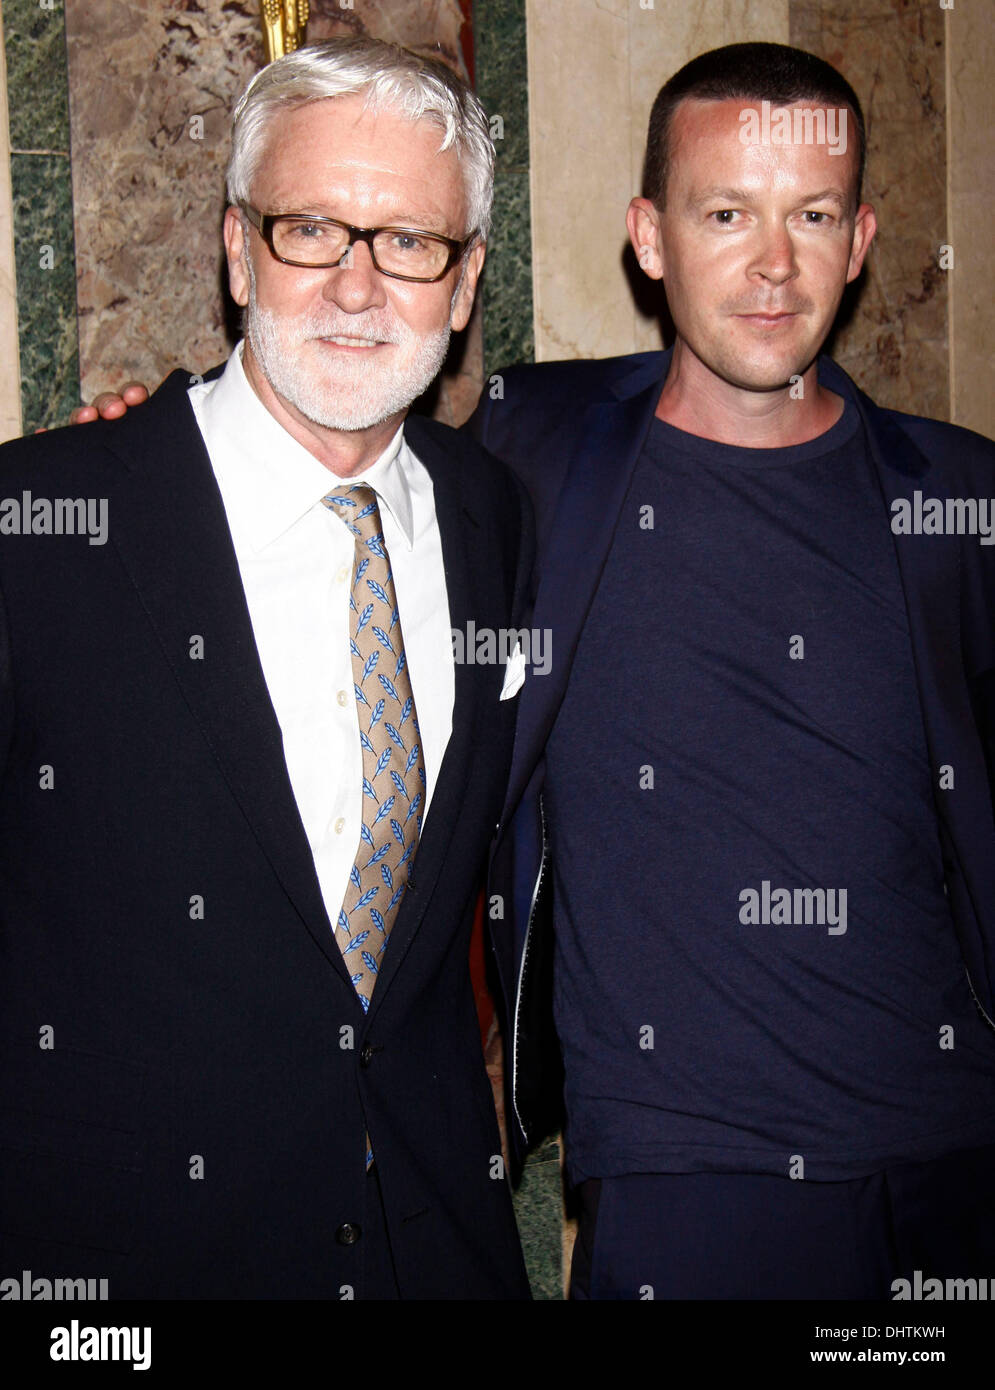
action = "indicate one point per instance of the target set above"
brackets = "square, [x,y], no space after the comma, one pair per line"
[762,143]
[339,148]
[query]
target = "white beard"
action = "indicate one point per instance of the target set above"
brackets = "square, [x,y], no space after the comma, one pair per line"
[344,393]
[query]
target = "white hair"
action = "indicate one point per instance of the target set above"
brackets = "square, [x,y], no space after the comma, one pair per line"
[390,77]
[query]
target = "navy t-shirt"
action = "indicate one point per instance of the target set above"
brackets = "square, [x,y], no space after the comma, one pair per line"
[755,960]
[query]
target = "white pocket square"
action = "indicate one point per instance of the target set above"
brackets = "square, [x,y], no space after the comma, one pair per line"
[514,673]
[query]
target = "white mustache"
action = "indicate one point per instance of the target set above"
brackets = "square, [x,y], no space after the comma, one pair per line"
[312,329]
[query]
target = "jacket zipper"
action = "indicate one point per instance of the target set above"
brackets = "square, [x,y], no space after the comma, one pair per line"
[525,962]
[977,1001]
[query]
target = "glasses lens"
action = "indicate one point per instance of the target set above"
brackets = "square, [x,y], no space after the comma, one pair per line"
[410,253]
[310,243]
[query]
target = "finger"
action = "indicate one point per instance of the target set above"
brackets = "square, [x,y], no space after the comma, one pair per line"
[134,393]
[82,415]
[110,406]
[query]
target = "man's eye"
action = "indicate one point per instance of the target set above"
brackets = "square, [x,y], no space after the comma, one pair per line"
[308,231]
[816,219]
[724,216]
[406,241]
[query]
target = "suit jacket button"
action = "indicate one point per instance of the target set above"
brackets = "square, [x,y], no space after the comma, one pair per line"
[348,1233]
[366,1056]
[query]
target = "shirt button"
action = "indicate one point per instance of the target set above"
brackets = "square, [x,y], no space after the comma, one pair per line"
[342,698]
[339,825]
[366,1056]
[343,574]
[348,1233]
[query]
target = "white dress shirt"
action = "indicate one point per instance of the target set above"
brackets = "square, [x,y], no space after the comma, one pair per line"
[296,558]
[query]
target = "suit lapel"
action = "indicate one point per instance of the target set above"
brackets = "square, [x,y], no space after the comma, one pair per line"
[594,489]
[169,527]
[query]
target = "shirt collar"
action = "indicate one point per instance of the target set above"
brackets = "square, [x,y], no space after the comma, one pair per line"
[272,480]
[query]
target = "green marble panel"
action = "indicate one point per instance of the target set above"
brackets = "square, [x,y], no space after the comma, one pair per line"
[44,255]
[502,85]
[539,1212]
[46,289]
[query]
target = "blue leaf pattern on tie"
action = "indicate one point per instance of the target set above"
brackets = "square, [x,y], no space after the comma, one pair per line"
[398,830]
[382,761]
[364,618]
[387,876]
[400,785]
[369,664]
[386,808]
[389,687]
[384,641]
[394,735]
[406,710]
[377,714]
[377,590]
[412,758]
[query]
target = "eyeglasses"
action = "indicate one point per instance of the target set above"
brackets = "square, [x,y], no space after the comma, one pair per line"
[321,242]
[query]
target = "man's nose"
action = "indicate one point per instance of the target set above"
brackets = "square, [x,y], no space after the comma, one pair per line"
[355,283]
[774,257]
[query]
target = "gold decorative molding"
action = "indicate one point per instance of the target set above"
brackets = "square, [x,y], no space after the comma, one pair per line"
[284,26]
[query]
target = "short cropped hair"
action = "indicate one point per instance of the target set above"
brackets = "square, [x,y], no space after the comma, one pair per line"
[390,77]
[752,72]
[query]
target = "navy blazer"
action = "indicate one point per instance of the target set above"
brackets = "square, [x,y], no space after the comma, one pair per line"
[573,432]
[192,1124]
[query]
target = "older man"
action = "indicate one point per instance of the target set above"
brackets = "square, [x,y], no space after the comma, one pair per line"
[246,794]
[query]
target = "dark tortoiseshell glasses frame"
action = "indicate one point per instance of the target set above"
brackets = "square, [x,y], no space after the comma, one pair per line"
[265,224]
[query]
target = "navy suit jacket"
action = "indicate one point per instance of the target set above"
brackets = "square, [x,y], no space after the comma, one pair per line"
[192,1125]
[573,431]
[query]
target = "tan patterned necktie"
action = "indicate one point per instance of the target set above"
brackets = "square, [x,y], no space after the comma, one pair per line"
[393,763]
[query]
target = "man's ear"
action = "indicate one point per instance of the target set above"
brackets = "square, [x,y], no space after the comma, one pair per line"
[865,224]
[236,252]
[463,300]
[643,222]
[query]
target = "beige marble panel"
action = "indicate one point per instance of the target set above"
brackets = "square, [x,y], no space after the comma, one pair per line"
[892,336]
[970,55]
[595,67]
[10,375]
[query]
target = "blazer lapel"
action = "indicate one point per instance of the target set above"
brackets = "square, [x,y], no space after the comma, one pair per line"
[169,527]
[594,489]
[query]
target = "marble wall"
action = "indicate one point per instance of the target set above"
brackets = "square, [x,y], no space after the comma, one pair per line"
[41,210]
[895,339]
